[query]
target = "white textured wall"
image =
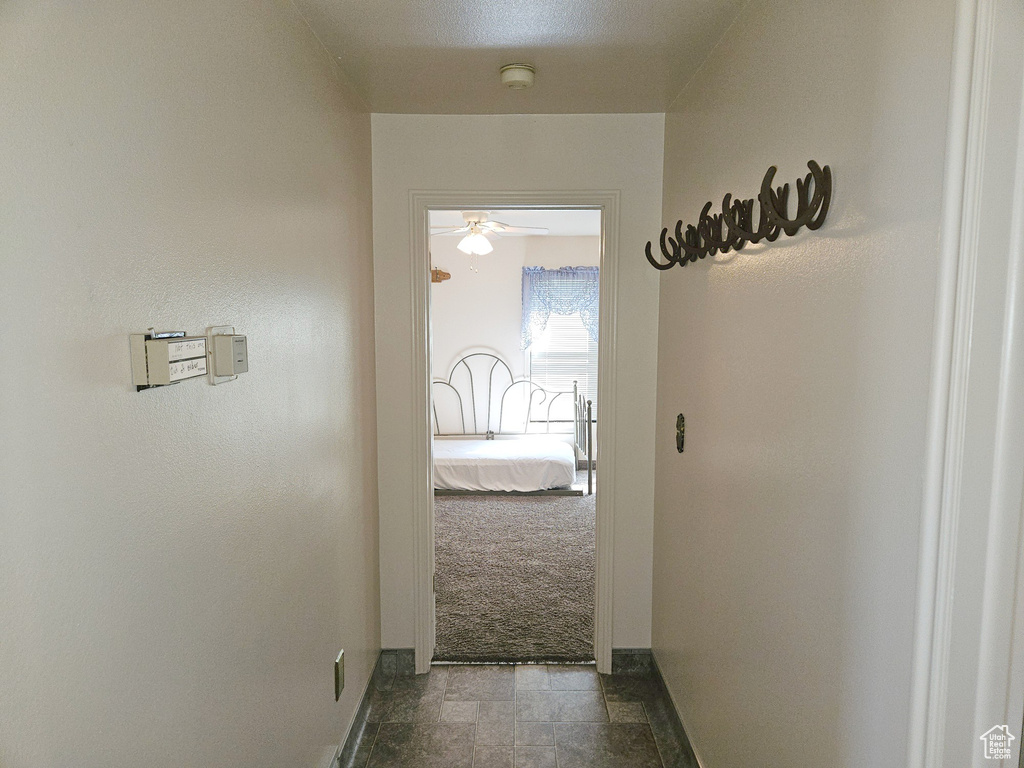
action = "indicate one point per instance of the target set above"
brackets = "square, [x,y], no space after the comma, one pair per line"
[786,536]
[523,152]
[179,567]
[482,305]
[478,307]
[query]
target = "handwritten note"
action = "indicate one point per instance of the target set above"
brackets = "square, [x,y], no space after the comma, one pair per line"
[186,369]
[185,349]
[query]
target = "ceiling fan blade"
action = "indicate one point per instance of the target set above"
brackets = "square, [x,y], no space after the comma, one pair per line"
[508,229]
[449,231]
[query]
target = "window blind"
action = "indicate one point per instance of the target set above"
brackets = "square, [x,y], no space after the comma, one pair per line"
[565,353]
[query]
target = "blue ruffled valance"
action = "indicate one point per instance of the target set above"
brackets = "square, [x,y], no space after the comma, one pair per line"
[564,291]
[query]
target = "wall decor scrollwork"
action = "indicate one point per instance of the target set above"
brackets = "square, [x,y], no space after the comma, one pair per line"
[734,227]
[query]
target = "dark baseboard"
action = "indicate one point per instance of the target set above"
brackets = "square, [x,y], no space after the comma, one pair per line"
[632,661]
[678,752]
[392,663]
[398,661]
[671,738]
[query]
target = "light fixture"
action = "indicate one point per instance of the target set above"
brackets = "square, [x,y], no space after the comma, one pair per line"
[475,243]
[517,76]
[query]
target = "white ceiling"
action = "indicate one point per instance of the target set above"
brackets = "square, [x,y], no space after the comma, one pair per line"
[559,223]
[592,56]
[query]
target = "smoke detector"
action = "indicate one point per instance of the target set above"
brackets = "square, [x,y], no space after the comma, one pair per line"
[517,76]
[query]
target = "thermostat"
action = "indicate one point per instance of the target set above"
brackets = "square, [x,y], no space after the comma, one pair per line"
[230,355]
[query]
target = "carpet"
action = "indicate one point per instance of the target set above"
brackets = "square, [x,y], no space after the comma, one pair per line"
[514,578]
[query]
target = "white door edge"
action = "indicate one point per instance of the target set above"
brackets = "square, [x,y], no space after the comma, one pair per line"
[937,738]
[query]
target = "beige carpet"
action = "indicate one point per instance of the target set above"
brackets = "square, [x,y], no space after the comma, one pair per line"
[514,578]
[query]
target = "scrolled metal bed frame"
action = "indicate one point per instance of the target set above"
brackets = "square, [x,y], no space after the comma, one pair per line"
[490,417]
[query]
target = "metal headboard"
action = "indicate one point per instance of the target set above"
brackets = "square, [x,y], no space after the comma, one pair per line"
[482,398]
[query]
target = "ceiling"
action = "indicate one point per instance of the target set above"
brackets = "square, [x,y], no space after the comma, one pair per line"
[559,223]
[591,56]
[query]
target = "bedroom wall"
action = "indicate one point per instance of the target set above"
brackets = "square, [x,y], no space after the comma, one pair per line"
[482,305]
[478,307]
[179,567]
[524,152]
[786,535]
[552,252]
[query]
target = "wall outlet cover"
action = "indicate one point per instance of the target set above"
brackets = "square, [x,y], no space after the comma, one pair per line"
[339,675]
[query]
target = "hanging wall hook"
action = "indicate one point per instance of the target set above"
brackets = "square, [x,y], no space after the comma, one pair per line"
[733,228]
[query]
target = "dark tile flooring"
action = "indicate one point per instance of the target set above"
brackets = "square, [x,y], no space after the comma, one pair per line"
[521,716]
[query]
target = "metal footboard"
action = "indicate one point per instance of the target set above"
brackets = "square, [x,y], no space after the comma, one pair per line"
[585,433]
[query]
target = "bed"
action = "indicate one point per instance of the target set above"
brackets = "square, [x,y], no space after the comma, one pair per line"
[494,433]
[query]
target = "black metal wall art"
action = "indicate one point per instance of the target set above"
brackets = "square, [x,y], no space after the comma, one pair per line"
[733,228]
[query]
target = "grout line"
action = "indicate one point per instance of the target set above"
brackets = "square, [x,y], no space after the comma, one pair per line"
[554,738]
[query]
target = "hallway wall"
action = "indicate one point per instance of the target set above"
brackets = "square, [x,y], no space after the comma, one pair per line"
[786,535]
[518,152]
[179,567]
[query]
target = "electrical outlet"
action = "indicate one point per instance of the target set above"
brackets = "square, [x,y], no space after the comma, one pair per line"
[339,675]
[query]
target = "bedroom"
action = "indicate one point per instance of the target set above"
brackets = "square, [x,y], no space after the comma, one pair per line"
[514,360]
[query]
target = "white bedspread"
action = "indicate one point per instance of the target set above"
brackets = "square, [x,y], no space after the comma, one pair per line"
[527,463]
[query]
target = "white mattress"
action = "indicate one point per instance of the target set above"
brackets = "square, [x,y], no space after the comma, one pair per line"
[527,463]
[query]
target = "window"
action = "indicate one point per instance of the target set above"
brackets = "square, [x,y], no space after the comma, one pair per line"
[565,353]
[560,314]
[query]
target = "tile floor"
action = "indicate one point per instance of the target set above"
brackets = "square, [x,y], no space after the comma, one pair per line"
[521,716]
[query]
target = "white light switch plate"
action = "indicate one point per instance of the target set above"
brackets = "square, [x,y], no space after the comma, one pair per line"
[218,330]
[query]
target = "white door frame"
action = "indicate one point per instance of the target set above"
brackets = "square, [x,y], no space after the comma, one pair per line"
[421,201]
[969,644]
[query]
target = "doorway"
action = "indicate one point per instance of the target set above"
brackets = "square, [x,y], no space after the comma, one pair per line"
[514,331]
[606,204]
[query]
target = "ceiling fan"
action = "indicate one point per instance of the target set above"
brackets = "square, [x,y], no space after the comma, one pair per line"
[478,225]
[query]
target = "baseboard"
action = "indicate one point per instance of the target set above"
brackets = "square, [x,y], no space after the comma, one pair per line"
[392,663]
[677,720]
[398,661]
[632,661]
[669,734]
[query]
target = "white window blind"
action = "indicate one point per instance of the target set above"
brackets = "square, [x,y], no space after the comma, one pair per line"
[563,354]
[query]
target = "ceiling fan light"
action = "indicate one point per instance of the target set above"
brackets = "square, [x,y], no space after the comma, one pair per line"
[475,244]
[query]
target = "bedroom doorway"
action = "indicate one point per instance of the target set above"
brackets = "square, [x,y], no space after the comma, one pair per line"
[514,361]
[421,426]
